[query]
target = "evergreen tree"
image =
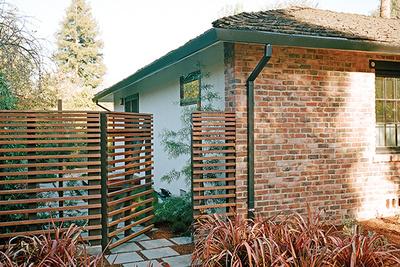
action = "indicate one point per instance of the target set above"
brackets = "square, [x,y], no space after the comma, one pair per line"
[395,9]
[79,49]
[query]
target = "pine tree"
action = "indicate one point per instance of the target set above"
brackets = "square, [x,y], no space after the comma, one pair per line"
[79,49]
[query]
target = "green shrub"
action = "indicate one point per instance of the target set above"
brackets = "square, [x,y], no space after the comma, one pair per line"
[176,212]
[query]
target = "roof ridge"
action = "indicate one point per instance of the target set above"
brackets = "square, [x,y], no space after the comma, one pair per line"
[297,8]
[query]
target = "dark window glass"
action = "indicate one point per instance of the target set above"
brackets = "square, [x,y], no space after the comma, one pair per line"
[190,89]
[387,111]
[132,103]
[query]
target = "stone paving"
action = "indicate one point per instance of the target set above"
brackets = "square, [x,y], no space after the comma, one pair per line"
[143,251]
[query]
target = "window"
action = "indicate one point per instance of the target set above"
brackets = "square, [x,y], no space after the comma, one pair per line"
[387,106]
[132,103]
[190,89]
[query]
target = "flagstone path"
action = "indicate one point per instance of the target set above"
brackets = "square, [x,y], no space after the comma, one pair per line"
[143,251]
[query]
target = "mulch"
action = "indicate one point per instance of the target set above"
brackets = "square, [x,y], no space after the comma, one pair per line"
[162,231]
[388,227]
[184,249]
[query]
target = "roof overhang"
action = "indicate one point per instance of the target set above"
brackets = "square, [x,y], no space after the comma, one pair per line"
[215,35]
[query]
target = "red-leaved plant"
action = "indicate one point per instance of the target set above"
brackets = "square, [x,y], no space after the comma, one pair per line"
[62,248]
[364,250]
[292,240]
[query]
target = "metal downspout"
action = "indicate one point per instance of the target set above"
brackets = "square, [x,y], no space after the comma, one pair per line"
[97,104]
[250,128]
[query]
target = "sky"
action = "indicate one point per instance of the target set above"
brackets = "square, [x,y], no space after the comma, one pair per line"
[136,32]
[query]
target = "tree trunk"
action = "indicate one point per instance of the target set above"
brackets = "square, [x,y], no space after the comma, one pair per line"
[385,9]
[396,8]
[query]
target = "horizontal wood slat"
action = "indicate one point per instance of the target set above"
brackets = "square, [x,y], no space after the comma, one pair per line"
[23,211]
[41,136]
[131,216]
[66,156]
[119,230]
[48,199]
[130,207]
[213,163]
[221,215]
[131,236]
[46,231]
[214,196]
[212,180]
[52,164]
[51,149]
[48,180]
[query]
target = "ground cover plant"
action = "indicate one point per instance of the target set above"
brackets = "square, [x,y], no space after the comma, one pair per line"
[176,213]
[293,240]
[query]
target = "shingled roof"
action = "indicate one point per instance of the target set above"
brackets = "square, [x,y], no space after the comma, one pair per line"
[303,27]
[316,22]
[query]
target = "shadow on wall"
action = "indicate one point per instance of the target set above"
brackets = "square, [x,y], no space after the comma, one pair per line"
[314,117]
[315,134]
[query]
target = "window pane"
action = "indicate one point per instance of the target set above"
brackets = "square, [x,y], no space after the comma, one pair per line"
[128,106]
[389,88]
[390,111]
[380,135]
[390,135]
[397,109]
[191,89]
[380,116]
[397,82]
[398,134]
[379,87]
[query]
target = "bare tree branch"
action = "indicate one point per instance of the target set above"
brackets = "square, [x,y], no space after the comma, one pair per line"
[21,59]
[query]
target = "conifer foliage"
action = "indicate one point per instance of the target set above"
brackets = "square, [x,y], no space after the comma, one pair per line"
[79,54]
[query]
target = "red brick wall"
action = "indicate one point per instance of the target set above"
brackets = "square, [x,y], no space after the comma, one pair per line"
[314,132]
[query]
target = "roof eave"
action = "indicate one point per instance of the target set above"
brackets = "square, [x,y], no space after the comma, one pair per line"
[252,36]
[206,39]
[214,35]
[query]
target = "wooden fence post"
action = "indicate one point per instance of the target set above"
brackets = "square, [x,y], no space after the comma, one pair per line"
[31,131]
[104,174]
[94,211]
[60,183]
[148,173]
[191,165]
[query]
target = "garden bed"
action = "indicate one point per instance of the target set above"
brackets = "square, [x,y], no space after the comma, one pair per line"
[389,227]
[162,231]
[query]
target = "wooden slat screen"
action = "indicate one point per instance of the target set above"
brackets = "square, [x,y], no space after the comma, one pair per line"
[49,172]
[129,179]
[93,169]
[214,163]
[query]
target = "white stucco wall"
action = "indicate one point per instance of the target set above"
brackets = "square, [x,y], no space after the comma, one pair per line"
[160,95]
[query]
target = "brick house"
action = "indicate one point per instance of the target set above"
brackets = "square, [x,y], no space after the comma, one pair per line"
[326,106]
